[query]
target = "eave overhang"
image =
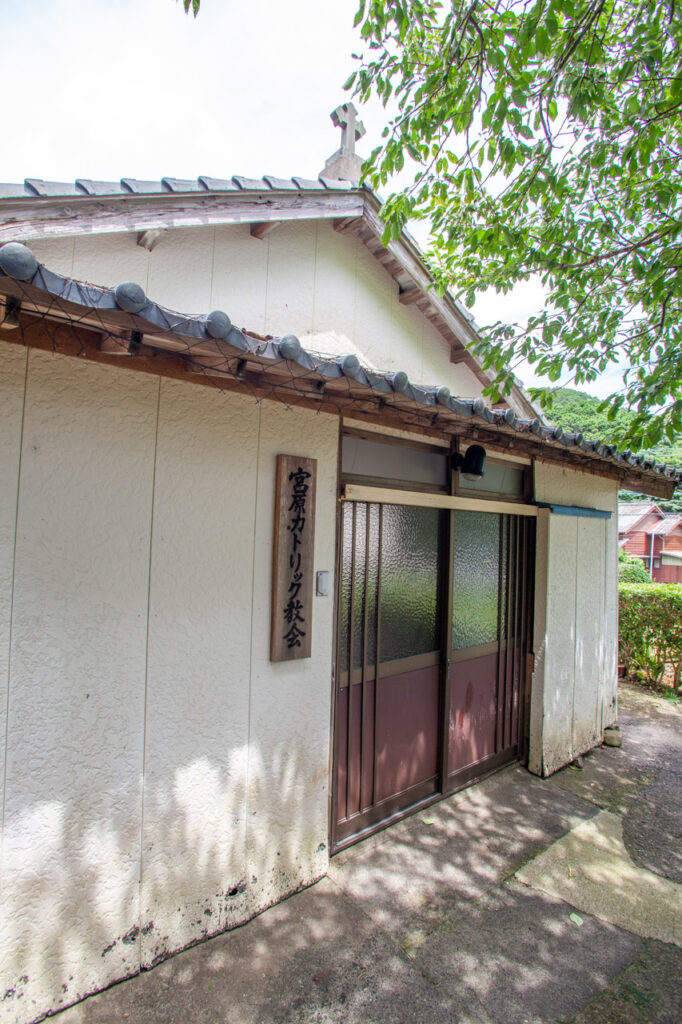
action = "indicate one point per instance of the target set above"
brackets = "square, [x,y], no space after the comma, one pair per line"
[39,210]
[122,326]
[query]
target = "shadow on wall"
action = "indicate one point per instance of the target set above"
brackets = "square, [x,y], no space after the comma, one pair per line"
[438,951]
[82,907]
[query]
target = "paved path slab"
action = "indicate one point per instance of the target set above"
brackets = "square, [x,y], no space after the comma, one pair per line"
[519,954]
[409,877]
[591,869]
[648,991]
[652,828]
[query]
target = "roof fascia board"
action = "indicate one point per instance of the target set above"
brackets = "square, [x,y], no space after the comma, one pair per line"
[406,252]
[579,511]
[29,219]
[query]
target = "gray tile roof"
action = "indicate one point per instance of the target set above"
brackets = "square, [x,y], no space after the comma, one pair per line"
[94,188]
[637,508]
[182,185]
[668,524]
[630,513]
[38,188]
[627,523]
[12,191]
[126,307]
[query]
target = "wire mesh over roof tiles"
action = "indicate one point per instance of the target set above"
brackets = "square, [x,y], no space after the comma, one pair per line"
[47,309]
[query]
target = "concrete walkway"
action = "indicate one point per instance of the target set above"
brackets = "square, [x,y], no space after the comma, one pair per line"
[518,901]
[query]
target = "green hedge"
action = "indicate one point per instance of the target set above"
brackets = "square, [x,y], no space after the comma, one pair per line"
[650,629]
[631,569]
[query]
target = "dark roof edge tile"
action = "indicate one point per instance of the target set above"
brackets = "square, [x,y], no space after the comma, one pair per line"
[18,264]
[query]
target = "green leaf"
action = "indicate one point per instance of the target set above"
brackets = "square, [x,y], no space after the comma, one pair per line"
[543,143]
[542,40]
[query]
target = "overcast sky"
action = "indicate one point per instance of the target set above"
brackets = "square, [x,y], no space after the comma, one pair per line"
[108,89]
[136,88]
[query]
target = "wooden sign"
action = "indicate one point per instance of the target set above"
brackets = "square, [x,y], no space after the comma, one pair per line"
[292,566]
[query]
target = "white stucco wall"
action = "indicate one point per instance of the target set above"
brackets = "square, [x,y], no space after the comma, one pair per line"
[12,412]
[75,704]
[164,780]
[303,278]
[574,684]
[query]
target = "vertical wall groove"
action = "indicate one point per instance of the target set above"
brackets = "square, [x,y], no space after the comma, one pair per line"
[251,637]
[11,606]
[146,656]
[575,625]
[212,267]
[605,667]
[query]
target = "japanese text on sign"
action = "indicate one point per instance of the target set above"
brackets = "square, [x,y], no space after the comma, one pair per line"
[293,561]
[293,610]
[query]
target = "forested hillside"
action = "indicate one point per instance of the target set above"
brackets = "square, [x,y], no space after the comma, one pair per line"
[574,410]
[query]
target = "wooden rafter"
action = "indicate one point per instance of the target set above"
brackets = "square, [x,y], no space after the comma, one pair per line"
[409,295]
[461,355]
[149,239]
[262,228]
[209,364]
[347,225]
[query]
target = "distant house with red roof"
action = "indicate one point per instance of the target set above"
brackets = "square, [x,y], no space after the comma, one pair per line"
[655,536]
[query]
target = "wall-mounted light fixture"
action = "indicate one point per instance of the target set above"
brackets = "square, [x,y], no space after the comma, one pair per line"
[472,464]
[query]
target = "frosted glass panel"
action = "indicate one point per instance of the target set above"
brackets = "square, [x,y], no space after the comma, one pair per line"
[372,577]
[409,581]
[346,564]
[507,522]
[476,575]
[358,613]
[359,584]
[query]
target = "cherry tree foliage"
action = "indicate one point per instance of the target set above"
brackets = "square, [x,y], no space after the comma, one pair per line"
[192,5]
[546,137]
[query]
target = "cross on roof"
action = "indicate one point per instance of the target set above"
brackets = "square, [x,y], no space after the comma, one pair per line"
[345,118]
[345,164]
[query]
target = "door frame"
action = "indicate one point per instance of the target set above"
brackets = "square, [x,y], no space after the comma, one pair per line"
[376,492]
